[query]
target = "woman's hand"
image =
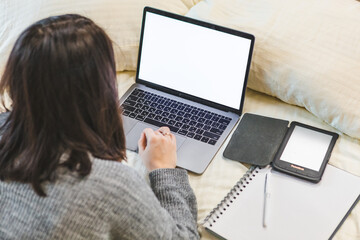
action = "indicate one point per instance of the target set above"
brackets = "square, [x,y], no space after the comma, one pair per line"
[158,148]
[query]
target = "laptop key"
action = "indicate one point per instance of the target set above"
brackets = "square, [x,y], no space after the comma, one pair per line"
[186,120]
[151,115]
[138,105]
[212,142]
[129,102]
[165,114]
[186,127]
[135,92]
[187,115]
[174,105]
[194,112]
[182,132]
[132,115]
[161,107]
[222,127]
[197,137]
[199,125]
[181,113]
[144,113]
[214,118]
[192,129]
[190,134]
[178,118]
[211,135]
[201,120]
[194,118]
[133,98]
[206,127]
[174,111]
[216,131]
[178,124]
[128,108]
[201,114]
[204,139]
[192,123]
[161,124]
[199,131]
[208,116]
[145,108]
[158,118]
[140,117]
[224,121]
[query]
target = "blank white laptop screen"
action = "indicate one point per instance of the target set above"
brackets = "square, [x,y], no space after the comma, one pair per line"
[196,60]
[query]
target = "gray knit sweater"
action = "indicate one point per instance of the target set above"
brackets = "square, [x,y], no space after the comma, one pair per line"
[113,202]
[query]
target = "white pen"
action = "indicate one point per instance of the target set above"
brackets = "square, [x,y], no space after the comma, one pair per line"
[267,196]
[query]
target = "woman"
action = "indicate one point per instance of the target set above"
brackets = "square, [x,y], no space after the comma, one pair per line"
[64,122]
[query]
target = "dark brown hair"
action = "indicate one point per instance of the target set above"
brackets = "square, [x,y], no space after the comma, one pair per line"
[61,79]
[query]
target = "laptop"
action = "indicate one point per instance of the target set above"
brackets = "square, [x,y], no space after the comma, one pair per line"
[191,76]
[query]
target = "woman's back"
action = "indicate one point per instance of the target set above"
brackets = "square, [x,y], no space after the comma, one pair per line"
[65,119]
[112,202]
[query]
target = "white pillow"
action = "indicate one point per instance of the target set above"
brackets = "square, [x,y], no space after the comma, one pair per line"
[306,52]
[120,18]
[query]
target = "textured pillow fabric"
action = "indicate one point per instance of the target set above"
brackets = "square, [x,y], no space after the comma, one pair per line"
[306,52]
[121,19]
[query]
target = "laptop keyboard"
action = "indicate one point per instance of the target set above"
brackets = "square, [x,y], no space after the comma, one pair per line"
[183,119]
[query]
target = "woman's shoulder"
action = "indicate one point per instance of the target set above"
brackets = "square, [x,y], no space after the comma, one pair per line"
[113,174]
[108,183]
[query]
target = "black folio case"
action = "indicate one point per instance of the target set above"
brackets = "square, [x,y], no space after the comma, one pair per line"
[260,140]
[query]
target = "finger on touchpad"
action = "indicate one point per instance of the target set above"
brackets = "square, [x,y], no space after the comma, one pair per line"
[133,136]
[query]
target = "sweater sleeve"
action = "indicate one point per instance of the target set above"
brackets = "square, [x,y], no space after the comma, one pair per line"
[167,210]
[172,188]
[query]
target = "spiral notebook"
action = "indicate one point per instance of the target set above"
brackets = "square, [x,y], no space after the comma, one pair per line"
[297,209]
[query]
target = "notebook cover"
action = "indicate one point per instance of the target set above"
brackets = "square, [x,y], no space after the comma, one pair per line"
[256,139]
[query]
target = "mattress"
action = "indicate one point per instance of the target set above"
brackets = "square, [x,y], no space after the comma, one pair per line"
[222,173]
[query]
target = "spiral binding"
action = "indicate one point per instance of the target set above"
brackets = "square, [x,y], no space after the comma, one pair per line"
[228,199]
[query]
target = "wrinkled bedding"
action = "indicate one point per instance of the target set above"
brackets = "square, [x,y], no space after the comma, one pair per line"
[306,52]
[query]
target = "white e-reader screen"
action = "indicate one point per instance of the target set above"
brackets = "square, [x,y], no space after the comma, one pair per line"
[306,148]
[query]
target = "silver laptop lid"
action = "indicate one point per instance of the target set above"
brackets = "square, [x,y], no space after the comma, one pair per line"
[194,59]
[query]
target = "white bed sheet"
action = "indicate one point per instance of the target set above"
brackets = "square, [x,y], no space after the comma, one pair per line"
[222,174]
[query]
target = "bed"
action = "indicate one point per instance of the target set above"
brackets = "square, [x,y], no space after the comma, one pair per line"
[306,67]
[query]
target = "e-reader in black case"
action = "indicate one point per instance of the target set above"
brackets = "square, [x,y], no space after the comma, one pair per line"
[260,140]
[256,139]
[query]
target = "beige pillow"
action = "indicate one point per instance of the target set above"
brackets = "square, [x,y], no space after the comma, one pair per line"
[120,18]
[306,52]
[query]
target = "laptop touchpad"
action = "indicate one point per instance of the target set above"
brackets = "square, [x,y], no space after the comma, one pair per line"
[133,136]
